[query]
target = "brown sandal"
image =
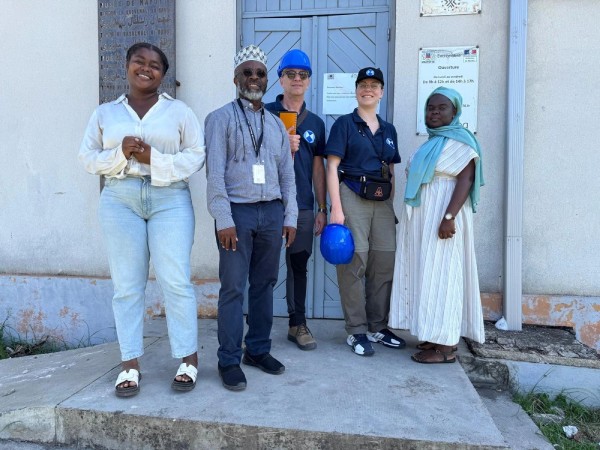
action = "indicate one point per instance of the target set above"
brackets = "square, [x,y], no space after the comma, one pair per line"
[420,356]
[430,346]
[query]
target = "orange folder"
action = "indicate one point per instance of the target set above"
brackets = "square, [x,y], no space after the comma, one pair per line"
[289,119]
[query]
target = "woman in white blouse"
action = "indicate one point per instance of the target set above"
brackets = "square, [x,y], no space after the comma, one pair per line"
[146,144]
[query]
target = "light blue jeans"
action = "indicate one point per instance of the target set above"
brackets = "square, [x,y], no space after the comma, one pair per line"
[140,221]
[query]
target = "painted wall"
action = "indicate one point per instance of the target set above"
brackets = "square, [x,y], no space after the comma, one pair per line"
[561,249]
[561,255]
[49,86]
[206,33]
[48,202]
[48,223]
[488,30]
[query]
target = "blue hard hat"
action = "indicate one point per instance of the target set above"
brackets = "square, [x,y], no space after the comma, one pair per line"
[295,59]
[337,244]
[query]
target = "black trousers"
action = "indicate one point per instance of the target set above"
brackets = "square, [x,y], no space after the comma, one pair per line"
[296,261]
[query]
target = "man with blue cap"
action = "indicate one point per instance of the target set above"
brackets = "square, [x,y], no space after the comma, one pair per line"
[307,144]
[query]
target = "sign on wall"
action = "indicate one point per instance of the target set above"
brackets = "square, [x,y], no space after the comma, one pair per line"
[453,67]
[122,23]
[450,7]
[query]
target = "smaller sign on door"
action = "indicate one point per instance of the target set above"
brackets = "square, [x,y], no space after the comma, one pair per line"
[339,95]
[452,67]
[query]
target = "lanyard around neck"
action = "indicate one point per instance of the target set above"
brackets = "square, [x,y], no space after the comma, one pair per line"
[255,143]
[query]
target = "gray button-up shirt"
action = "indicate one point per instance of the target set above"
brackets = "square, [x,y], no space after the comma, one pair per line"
[231,155]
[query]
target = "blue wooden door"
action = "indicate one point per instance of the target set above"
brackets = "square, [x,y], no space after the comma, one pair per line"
[335,42]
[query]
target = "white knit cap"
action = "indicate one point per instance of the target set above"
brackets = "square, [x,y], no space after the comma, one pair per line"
[250,53]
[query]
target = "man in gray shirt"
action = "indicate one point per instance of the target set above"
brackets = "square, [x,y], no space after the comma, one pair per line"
[252,196]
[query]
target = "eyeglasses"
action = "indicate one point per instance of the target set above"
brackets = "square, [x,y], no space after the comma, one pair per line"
[372,86]
[249,72]
[291,74]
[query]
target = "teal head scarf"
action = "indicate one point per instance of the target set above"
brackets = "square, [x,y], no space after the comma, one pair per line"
[422,166]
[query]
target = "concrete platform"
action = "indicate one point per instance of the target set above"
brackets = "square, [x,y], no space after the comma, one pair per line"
[327,398]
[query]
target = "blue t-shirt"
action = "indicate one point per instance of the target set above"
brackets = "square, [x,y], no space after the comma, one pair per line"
[312,143]
[361,153]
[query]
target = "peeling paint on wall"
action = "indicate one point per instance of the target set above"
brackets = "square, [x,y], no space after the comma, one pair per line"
[492,306]
[207,311]
[57,308]
[206,281]
[537,306]
[590,332]
[30,321]
[580,313]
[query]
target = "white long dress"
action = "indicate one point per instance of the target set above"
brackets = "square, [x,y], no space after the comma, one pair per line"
[435,292]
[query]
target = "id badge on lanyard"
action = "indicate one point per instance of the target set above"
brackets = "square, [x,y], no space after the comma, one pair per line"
[258,169]
[258,173]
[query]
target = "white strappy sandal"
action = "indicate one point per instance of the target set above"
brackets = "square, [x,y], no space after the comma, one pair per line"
[191,372]
[131,375]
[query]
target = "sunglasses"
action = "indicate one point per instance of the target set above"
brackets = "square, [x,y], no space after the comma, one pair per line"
[249,72]
[291,74]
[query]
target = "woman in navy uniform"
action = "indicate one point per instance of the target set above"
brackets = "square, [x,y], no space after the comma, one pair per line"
[361,153]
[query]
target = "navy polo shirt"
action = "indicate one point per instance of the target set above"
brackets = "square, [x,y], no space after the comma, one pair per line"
[361,153]
[312,143]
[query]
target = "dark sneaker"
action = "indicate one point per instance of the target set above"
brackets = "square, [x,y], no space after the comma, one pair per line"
[360,344]
[302,337]
[264,362]
[232,377]
[387,338]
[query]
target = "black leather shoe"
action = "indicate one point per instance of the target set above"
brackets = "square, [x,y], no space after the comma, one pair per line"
[264,362]
[232,377]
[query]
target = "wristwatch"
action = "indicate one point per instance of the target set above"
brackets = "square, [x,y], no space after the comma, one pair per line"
[323,210]
[449,216]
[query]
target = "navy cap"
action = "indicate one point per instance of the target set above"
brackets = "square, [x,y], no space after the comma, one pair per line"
[370,72]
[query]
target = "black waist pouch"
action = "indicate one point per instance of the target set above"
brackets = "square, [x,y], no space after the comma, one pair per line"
[375,189]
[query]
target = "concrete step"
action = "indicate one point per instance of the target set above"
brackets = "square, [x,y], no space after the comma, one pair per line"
[537,359]
[519,431]
[328,398]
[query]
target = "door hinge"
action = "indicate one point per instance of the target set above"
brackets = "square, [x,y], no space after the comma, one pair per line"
[389,33]
[242,40]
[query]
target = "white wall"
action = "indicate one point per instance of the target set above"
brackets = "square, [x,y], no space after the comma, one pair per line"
[48,222]
[205,49]
[561,248]
[48,203]
[489,31]
[50,83]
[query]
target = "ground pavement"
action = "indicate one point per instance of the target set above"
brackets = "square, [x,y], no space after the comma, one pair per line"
[328,398]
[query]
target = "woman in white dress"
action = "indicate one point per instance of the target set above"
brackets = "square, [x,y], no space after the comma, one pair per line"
[435,292]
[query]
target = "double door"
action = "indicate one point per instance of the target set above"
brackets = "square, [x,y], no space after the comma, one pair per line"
[336,43]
